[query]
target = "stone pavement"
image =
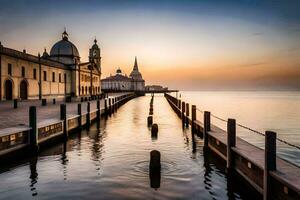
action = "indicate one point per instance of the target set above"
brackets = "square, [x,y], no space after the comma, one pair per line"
[10,117]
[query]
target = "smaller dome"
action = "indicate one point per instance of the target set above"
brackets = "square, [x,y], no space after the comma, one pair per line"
[119,71]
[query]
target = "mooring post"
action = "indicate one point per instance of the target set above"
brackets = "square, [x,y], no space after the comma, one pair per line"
[15,103]
[98,110]
[270,162]
[33,133]
[116,103]
[44,102]
[88,115]
[63,116]
[182,113]
[149,120]
[194,117]
[206,127]
[113,104]
[154,130]
[231,141]
[109,105]
[79,112]
[187,115]
[105,106]
[154,169]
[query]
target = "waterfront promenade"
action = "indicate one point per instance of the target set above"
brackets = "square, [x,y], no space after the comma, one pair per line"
[10,117]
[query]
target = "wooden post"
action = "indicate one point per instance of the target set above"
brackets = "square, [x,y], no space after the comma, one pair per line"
[182,112]
[88,115]
[33,134]
[194,117]
[112,105]
[206,127]
[15,103]
[109,105]
[98,110]
[63,116]
[150,120]
[187,115]
[79,112]
[44,102]
[231,141]
[105,106]
[270,162]
[154,169]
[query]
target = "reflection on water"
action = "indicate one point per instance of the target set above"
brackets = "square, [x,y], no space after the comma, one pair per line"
[111,161]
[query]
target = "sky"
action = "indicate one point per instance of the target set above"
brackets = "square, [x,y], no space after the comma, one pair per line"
[182,44]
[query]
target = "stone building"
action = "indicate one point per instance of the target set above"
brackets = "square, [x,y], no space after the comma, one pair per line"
[121,82]
[58,74]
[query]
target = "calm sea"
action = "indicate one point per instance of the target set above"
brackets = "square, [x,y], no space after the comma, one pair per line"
[259,110]
[111,160]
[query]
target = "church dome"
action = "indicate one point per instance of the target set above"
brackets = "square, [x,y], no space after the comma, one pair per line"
[119,71]
[64,51]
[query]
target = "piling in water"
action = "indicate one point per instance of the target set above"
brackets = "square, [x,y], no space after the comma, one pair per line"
[154,169]
[154,130]
[150,120]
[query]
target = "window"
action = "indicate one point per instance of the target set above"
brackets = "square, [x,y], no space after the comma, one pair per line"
[9,69]
[45,76]
[59,77]
[53,76]
[65,78]
[34,73]
[23,72]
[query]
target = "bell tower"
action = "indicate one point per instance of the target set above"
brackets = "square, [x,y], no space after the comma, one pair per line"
[95,56]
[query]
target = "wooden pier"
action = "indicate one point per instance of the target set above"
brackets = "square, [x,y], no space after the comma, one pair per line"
[270,175]
[20,139]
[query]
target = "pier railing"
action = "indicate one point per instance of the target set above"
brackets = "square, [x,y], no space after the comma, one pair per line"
[37,133]
[270,175]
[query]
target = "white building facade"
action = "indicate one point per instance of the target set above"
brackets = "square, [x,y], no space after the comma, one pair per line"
[122,82]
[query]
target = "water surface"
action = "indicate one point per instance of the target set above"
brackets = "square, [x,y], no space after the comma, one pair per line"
[259,110]
[112,162]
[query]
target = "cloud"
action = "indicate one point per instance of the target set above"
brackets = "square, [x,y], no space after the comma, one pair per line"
[253,64]
[257,34]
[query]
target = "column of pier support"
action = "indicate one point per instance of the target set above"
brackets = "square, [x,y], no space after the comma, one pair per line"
[206,127]
[109,106]
[187,115]
[33,133]
[231,142]
[79,112]
[270,162]
[183,113]
[194,118]
[98,110]
[105,107]
[63,117]
[88,115]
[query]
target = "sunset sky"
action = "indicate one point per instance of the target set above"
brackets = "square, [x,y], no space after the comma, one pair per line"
[246,44]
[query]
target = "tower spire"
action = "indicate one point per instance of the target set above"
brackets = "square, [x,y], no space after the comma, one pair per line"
[135,65]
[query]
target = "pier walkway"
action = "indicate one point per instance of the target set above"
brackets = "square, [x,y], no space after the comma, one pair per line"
[10,117]
[270,175]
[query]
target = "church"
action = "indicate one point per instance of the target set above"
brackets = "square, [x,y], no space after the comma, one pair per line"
[57,74]
[122,82]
